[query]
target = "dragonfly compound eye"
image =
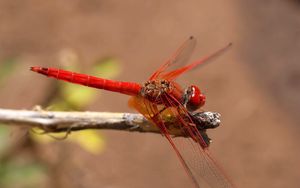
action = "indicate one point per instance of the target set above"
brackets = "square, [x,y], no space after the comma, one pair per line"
[193,98]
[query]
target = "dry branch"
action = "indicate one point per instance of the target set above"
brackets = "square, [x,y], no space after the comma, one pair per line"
[54,121]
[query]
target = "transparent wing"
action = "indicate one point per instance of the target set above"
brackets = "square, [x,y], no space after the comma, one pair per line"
[181,56]
[152,112]
[194,151]
[202,165]
[191,150]
[175,73]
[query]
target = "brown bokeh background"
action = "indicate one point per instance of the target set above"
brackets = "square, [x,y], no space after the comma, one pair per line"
[255,86]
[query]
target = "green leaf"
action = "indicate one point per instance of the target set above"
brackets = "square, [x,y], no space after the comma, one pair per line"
[59,104]
[4,137]
[90,140]
[6,67]
[14,174]
[106,68]
[77,96]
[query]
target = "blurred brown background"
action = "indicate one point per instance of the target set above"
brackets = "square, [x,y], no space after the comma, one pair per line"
[255,86]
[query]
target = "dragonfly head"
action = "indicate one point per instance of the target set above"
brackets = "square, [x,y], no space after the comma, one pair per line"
[193,98]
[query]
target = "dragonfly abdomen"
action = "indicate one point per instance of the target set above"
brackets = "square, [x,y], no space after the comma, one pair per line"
[128,88]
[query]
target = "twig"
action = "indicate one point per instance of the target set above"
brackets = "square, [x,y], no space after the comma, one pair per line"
[54,121]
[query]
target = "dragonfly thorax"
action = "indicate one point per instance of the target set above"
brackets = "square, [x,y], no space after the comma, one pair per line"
[153,89]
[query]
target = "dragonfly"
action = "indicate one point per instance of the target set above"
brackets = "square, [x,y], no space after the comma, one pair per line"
[169,107]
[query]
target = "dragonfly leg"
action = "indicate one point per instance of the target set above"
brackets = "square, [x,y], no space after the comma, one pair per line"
[155,115]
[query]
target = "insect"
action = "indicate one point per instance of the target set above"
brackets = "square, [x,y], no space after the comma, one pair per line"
[171,108]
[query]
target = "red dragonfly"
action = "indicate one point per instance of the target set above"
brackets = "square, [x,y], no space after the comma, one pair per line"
[162,101]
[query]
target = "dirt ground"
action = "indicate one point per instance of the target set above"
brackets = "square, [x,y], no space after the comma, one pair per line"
[255,86]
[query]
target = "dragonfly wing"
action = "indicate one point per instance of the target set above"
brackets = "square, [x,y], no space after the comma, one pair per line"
[194,151]
[151,112]
[181,56]
[201,164]
[175,73]
[191,150]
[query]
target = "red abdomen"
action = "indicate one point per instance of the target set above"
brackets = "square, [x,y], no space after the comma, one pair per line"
[128,88]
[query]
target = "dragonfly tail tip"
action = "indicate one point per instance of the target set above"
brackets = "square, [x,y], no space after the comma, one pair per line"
[40,70]
[35,69]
